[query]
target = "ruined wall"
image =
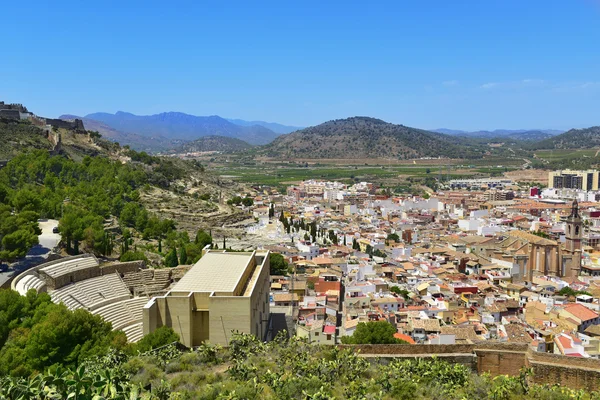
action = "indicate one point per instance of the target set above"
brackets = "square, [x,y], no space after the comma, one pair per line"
[10,114]
[74,125]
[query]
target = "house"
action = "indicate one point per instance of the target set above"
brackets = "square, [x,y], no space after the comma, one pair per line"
[318,332]
[421,328]
[568,345]
[582,314]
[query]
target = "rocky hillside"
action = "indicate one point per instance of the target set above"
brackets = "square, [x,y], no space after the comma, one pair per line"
[176,125]
[18,136]
[364,137]
[213,143]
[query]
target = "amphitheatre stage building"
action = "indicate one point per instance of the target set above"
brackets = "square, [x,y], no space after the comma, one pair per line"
[223,292]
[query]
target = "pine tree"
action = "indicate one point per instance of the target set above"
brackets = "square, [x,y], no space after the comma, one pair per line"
[159,246]
[345,240]
[224,245]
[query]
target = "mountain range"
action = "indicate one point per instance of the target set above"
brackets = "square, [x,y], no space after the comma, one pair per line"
[526,135]
[363,137]
[176,125]
[275,127]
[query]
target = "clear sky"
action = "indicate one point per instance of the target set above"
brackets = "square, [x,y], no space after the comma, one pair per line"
[464,64]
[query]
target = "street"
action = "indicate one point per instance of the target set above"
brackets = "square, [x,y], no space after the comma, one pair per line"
[38,254]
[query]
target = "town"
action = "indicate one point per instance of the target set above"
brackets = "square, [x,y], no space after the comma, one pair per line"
[491,262]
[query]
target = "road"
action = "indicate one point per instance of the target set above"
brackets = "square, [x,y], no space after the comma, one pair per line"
[38,254]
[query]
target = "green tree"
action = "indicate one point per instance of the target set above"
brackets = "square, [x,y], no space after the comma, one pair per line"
[171,259]
[16,244]
[272,210]
[379,332]
[247,201]
[401,292]
[160,337]
[133,256]
[203,239]
[183,256]
[394,237]
[278,265]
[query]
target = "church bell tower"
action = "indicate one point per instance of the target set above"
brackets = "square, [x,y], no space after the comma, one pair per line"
[573,232]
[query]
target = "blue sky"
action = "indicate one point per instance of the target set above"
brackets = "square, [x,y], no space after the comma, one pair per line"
[430,64]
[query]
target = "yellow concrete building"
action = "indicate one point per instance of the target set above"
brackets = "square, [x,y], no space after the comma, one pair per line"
[221,293]
[570,179]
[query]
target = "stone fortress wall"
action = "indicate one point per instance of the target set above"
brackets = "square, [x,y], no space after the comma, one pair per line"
[18,112]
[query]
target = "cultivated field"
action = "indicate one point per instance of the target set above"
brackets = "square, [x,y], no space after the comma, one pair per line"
[384,172]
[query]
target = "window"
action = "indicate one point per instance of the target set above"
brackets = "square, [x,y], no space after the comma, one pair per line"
[328,337]
[316,333]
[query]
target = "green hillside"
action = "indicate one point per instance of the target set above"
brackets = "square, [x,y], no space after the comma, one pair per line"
[364,137]
[213,143]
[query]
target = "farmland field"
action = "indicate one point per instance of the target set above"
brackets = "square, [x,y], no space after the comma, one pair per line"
[381,172]
[552,155]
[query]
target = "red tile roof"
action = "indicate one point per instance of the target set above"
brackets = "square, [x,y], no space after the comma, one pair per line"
[581,312]
[404,337]
[329,329]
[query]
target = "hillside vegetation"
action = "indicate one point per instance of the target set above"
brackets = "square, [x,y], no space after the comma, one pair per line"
[15,136]
[213,143]
[573,139]
[363,137]
[282,369]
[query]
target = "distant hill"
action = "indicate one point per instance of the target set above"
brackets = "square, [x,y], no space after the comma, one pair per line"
[516,134]
[364,137]
[136,142]
[213,143]
[275,127]
[572,139]
[176,125]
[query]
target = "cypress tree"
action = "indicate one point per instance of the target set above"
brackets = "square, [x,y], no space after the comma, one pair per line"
[171,259]
[183,259]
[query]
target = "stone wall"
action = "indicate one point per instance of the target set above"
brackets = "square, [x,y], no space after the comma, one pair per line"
[122,267]
[572,372]
[10,114]
[498,359]
[70,277]
[74,125]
